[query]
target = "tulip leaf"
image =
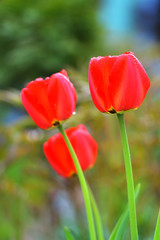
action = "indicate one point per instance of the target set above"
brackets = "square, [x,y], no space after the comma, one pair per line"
[120,227]
[68,234]
[157,230]
[96,213]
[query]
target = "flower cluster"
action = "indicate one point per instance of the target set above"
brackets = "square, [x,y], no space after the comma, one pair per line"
[49,102]
[117,84]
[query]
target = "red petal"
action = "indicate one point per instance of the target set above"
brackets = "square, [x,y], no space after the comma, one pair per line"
[99,70]
[61,96]
[64,72]
[85,147]
[73,129]
[128,83]
[58,156]
[35,101]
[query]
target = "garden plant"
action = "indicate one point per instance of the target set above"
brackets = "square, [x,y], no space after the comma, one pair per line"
[117,84]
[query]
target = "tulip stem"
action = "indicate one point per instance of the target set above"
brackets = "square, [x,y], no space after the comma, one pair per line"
[129,178]
[83,184]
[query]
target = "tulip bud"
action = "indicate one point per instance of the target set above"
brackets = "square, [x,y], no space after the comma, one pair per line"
[117,83]
[59,157]
[49,101]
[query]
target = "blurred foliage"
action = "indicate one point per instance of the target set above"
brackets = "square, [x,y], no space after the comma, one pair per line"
[38,38]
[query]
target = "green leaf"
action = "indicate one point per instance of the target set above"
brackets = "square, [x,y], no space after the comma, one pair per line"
[157,230]
[120,227]
[96,213]
[68,234]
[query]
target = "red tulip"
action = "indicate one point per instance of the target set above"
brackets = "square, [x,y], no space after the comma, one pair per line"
[59,157]
[51,100]
[117,83]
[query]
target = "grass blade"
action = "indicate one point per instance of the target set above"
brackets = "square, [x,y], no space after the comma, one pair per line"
[68,234]
[157,230]
[120,227]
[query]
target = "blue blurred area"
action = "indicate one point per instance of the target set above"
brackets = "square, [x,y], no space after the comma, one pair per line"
[139,18]
[118,15]
[12,116]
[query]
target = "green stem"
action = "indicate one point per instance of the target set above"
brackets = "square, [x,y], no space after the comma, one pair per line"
[83,185]
[97,216]
[129,177]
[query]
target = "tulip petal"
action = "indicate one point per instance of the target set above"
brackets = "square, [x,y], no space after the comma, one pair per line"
[85,147]
[99,70]
[64,72]
[62,96]
[59,157]
[35,101]
[128,83]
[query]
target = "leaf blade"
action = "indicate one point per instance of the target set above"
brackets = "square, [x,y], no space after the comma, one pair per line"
[157,230]
[68,234]
[119,229]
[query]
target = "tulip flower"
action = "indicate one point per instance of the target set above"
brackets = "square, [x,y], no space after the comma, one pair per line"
[49,101]
[117,83]
[59,157]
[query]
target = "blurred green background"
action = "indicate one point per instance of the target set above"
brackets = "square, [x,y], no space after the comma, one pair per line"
[37,39]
